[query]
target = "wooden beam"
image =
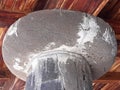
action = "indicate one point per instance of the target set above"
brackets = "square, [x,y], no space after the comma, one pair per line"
[14,84]
[89,6]
[100,7]
[7,18]
[115,25]
[23,6]
[2,82]
[111,10]
[106,86]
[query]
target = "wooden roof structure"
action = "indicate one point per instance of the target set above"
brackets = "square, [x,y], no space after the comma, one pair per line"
[109,10]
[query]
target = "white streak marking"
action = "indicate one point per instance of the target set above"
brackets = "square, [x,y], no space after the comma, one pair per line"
[13,29]
[17,66]
[87,30]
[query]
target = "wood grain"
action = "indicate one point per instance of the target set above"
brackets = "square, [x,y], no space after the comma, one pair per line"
[11,10]
[23,6]
[88,6]
[111,10]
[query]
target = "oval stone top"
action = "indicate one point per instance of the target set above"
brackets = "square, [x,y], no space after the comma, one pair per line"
[44,31]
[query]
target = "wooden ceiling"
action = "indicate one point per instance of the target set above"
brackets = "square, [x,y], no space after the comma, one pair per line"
[109,10]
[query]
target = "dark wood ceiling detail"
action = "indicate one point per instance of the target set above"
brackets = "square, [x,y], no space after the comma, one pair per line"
[111,14]
[23,6]
[114,85]
[11,10]
[7,18]
[12,83]
[111,80]
[115,25]
[88,6]
[111,10]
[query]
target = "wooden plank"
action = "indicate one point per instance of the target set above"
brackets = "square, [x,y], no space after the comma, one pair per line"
[14,84]
[110,76]
[113,75]
[23,6]
[7,18]
[115,12]
[89,6]
[106,86]
[98,86]
[3,81]
[51,4]
[111,10]
[115,25]
[100,7]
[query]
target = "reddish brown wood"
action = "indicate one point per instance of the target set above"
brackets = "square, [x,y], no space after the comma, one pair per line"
[111,80]
[13,83]
[18,84]
[115,25]
[7,18]
[111,10]
[3,81]
[17,5]
[11,10]
[98,86]
[81,5]
[110,76]
[40,4]
[51,4]
[106,86]
[100,7]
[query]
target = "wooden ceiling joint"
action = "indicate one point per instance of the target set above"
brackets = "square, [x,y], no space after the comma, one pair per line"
[109,10]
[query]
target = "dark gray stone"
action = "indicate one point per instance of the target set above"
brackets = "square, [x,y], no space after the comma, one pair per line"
[44,32]
[53,72]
